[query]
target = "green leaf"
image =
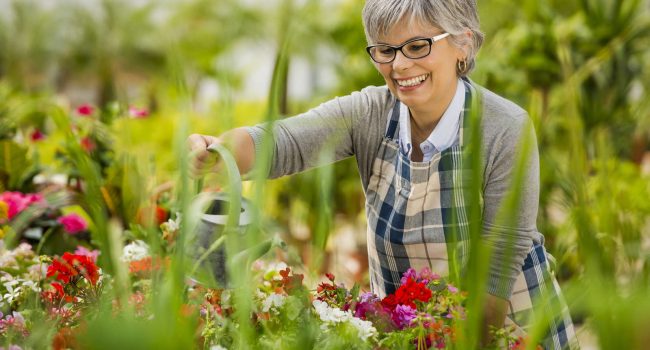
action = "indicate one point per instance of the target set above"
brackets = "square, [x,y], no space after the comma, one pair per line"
[13,164]
[355,291]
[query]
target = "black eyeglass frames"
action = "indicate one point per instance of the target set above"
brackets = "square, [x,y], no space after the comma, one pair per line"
[414,48]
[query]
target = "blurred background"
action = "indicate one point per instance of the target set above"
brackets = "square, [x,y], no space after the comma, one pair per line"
[580,68]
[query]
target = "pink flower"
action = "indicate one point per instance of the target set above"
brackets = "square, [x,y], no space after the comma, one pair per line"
[18,202]
[138,113]
[73,223]
[427,276]
[368,297]
[37,135]
[452,289]
[410,273]
[85,110]
[403,315]
[93,254]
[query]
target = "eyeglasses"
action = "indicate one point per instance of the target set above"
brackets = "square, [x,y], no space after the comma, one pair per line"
[415,48]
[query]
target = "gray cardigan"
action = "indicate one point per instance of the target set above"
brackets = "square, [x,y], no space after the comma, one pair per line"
[354,125]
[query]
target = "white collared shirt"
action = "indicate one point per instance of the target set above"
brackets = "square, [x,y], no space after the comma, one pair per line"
[443,135]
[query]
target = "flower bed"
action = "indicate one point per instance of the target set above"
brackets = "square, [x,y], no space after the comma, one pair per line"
[424,312]
[69,292]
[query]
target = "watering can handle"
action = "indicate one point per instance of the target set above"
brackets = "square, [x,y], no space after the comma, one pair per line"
[234,181]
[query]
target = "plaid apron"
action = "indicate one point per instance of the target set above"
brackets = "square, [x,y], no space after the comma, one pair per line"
[416,220]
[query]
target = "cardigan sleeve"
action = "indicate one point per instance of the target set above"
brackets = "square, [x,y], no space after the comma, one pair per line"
[510,195]
[335,130]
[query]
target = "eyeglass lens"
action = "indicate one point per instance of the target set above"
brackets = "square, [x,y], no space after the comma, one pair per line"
[414,49]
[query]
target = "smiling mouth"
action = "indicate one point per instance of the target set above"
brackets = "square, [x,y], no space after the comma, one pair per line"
[413,81]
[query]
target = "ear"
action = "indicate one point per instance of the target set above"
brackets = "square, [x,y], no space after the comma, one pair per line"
[463,49]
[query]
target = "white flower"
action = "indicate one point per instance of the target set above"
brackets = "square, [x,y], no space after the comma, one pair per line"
[217,347]
[23,251]
[276,267]
[273,300]
[8,260]
[173,225]
[36,272]
[331,316]
[29,284]
[365,328]
[10,284]
[134,251]
[13,294]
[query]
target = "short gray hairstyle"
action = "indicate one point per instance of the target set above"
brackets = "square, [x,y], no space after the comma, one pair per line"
[452,16]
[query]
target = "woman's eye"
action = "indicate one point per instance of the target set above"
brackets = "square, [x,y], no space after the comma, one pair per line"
[416,48]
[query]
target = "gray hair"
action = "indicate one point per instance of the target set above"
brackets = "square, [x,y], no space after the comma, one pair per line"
[452,16]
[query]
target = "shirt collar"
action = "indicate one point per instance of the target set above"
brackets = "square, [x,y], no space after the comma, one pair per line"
[444,134]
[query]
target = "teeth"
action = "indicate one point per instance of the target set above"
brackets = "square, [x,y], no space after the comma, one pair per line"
[412,81]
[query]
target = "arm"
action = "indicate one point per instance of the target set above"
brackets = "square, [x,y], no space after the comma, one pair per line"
[297,141]
[238,141]
[342,125]
[328,133]
[510,234]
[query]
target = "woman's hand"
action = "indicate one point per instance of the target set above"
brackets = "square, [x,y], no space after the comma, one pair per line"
[202,161]
[495,312]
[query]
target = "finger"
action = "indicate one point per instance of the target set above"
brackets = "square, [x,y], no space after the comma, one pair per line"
[203,161]
[196,142]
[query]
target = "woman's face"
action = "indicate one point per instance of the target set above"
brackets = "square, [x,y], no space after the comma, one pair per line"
[438,69]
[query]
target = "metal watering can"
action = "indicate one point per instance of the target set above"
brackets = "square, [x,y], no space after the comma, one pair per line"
[210,230]
[226,214]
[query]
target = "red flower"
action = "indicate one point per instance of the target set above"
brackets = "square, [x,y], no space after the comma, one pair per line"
[325,287]
[70,266]
[87,144]
[291,282]
[389,302]
[36,135]
[85,110]
[64,272]
[408,293]
[55,296]
[58,288]
[146,265]
[330,276]
[152,215]
[85,266]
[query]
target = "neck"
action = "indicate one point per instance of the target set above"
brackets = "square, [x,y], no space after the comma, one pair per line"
[425,119]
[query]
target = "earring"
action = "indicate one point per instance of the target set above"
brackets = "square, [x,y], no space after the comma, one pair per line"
[462,66]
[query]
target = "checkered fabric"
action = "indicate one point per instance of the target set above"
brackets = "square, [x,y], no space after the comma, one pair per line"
[417,218]
[535,293]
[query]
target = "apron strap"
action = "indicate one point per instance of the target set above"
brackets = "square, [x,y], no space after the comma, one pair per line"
[393,122]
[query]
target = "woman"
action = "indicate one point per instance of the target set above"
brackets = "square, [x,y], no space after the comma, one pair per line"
[408,139]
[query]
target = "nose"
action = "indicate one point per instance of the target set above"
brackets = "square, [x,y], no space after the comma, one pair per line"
[401,62]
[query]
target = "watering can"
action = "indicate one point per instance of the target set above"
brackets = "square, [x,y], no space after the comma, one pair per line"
[225,214]
[210,230]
